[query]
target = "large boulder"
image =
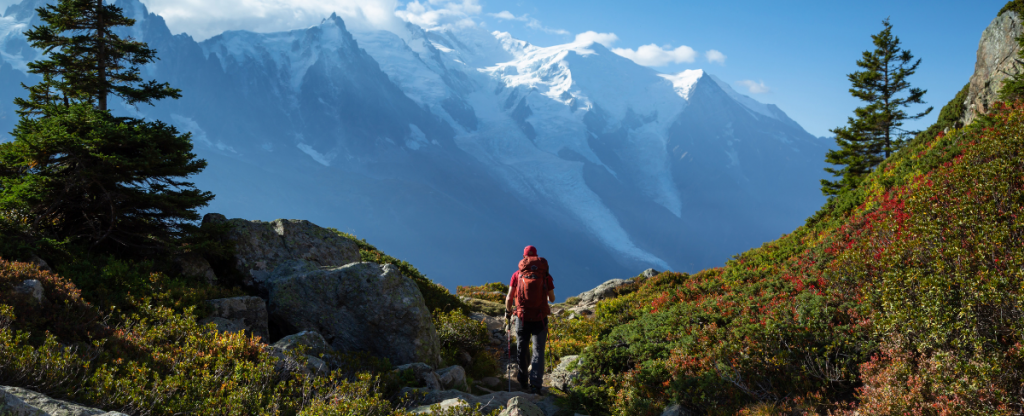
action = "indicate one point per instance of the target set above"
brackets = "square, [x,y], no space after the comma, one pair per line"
[607,290]
[262,248]
[453,377]
[676,410]
[997,61]
[358,307]
[16,401]
[423,373]
[242,313]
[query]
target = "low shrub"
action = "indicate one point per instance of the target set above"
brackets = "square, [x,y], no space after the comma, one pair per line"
[460,334]
[494,292]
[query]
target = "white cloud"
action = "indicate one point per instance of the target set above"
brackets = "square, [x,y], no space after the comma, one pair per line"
[714,56]
[590,36]
[437,13]
[654,55]
[535,24]
[507,15]
[204,18]
[754,87]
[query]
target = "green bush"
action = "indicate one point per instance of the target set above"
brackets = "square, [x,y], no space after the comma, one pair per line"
[461,334]
[494,292]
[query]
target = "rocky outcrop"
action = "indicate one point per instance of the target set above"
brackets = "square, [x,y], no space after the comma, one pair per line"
[562,377]
[607,290]
[243,313]
[442,406]
[358,307]
[997,61]
[16,401]
[262,248]
[517,406]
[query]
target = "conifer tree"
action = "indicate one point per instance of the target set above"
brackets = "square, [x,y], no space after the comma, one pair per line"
[77,173]
[877,130]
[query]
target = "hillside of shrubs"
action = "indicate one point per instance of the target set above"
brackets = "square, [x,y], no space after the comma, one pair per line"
[903,296]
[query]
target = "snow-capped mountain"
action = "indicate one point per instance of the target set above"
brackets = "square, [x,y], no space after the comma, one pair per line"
[453,148]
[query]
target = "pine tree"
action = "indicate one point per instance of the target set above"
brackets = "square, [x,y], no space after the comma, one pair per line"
[877,130]
[75,172]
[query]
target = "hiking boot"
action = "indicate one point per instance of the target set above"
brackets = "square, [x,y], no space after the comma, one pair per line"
[536,390]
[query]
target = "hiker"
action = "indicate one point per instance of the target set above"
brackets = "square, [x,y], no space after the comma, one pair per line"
[530,291]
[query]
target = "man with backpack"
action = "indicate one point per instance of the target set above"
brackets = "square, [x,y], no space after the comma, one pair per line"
[530,291]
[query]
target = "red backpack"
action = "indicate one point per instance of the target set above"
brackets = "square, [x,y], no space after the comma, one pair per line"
[531,289]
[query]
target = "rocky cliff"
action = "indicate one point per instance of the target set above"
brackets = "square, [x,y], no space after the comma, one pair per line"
[997,61]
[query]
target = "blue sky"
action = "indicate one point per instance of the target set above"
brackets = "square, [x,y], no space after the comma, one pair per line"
[800,50]
[796,53]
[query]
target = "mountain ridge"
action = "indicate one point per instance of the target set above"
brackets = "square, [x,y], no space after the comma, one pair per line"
[490,149]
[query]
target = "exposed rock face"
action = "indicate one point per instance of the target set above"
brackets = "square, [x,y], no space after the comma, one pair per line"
[518,406]
[262,248]
[493,401]
[649,273]
[358,307]
[444,405]
[561,377]
[997,53]
[243,313]
[21,402]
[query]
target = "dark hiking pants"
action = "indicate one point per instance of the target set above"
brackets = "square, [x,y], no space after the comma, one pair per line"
[538,332]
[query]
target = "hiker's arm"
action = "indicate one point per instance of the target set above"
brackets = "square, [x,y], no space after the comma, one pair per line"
[551,295]
[508,300]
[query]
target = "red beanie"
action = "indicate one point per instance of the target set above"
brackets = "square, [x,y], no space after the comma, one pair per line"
[530,251]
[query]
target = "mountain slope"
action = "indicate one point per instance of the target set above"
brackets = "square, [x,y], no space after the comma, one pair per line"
[459,142]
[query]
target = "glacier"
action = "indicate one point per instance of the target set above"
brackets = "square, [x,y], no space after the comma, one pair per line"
[453,147]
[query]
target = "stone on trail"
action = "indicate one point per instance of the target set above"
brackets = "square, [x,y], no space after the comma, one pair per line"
[358,307]
[518,406]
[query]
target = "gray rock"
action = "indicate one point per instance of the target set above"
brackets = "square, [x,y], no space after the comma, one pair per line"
[243,313]
[33,288]
[263,247]
[676,410]
[997,53]
[588,300]
[359,307]
[424,375]
[650,273]
[289,363]
[495,327]
[493,401]
[193,264]
[518,406]
[444,405]
[453,377]
[312,340]
[43,265]
[491,382]
[562,377]
[22,402]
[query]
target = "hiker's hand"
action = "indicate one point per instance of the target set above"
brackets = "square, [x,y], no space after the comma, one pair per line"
[508,314]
